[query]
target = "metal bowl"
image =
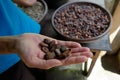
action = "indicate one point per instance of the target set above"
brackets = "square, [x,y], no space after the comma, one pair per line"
[58,26]
[45,10]
[37,11]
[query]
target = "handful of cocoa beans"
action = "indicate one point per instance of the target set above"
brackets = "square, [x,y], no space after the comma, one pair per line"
[53,50]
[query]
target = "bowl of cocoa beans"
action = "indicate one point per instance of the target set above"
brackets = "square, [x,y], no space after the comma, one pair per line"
[37,11]
[81,21]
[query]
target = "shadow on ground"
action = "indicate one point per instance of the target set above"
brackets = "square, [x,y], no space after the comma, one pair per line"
[111,63]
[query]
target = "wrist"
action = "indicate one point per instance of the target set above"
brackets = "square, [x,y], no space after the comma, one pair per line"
[8,44]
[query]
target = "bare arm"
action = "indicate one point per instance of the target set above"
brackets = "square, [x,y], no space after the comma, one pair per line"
[28,49]
[25,2]
[8,44]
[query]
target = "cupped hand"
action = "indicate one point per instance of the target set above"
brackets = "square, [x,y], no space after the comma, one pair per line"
[25,2]
[79,54]
[29,51]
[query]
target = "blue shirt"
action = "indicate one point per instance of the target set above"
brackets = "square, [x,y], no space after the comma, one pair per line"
[13,21]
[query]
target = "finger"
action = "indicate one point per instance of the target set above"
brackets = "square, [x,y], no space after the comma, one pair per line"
[80,49]
[46,64]
[69,44]
[52,63]
[75,60]
[87,54]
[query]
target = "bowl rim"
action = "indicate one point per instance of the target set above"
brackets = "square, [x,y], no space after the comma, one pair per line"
[86,40]
[45,11]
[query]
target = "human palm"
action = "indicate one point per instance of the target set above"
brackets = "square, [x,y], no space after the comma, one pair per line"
[31,54]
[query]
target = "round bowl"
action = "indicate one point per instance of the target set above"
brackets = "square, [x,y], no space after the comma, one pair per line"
[81,21]
[45,10]
[37,11]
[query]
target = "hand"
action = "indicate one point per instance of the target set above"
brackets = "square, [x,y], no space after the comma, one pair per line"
[25,2]
[29,51]
[79,54]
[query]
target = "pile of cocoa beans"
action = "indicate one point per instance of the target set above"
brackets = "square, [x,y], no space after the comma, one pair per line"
[53,50]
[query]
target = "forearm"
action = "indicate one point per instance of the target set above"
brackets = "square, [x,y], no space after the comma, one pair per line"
[8,44]
[25,2]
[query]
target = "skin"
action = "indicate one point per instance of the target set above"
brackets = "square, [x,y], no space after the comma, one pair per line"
[25,2]
[27,47]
